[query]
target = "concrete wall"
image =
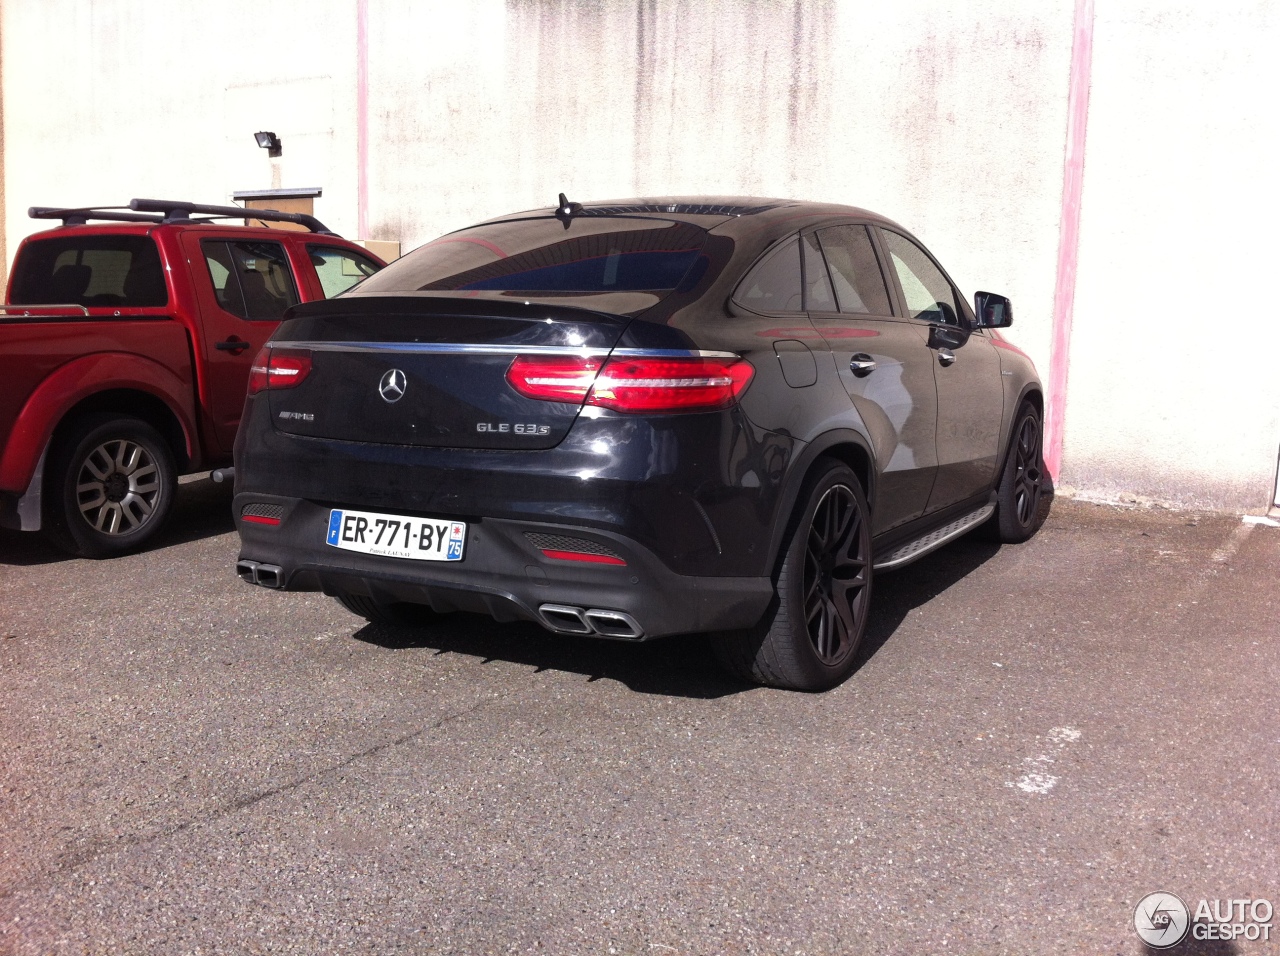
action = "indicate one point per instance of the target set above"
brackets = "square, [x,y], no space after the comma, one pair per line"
[1174,386]
[951,120]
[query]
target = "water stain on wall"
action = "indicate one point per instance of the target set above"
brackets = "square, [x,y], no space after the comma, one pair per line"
[682,96]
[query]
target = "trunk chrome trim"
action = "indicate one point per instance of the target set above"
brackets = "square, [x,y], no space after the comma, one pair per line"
[450,348]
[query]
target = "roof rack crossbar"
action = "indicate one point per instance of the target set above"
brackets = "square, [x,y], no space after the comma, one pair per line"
[81,216]
[178,211]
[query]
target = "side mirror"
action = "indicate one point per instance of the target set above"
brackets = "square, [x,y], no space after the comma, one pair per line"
[993,311]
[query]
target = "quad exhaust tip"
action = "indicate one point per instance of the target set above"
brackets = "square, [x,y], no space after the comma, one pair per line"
[263,575]
[566,619]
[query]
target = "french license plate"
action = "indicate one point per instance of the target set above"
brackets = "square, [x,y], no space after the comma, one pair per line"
[397,536]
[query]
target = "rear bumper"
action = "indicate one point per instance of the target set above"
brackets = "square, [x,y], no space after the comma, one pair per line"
[503,574]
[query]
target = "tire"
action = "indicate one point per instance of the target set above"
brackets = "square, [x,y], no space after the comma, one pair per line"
[809,637]
[111,487]
[1018,514]
[413,615]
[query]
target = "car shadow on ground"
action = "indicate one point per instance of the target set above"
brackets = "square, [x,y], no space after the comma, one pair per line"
[682,666]
[202,509]
[895,594]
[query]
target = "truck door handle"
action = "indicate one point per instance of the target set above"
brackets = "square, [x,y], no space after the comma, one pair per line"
[233,345]
[946,357]
[862,364]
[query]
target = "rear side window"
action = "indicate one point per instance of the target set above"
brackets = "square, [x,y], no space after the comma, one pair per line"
[817,284]
[855,273]
[773,284]
[339,269]
[102,271]
[585,255]
[250,279]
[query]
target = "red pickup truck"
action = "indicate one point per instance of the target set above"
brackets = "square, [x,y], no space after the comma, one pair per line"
[125,351]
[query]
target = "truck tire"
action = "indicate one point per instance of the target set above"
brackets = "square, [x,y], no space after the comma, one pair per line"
[111,486]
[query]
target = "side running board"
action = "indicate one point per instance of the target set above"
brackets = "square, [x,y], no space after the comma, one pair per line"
[934,539]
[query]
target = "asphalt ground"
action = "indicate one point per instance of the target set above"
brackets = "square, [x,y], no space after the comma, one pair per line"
[1037,737]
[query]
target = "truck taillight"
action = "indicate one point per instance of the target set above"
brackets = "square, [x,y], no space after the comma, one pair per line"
[278,368]
[640,384]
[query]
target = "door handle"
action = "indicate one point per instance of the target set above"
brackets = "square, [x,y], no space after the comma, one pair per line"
[946,357]
[862,364]
[232,345]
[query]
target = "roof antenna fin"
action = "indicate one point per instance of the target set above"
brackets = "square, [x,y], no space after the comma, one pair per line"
[565,210]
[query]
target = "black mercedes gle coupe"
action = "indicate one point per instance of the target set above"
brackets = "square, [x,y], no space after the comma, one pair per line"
[640,418]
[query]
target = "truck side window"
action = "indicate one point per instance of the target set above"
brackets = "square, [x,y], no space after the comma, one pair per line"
[221,269]
[250,279]
[94,271]
[339,269]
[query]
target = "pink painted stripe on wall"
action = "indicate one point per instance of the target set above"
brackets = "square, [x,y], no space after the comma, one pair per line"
[1064,293]
[362,119]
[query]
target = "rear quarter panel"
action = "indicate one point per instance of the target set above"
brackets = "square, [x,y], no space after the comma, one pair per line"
[48,366]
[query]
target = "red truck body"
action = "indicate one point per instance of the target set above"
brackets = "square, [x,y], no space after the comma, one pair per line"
[181,367]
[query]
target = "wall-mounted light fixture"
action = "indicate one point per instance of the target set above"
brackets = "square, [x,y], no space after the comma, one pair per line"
[270,142]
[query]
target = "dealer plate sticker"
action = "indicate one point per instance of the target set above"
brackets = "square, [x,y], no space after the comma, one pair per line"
[397,536]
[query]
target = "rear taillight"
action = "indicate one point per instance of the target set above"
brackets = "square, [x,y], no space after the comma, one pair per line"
[555,378]
[633,384]
[670,385]
[278,368]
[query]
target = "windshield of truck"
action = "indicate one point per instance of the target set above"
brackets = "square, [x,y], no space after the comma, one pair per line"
[106,271]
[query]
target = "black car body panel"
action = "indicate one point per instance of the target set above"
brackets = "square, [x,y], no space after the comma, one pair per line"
[691,507]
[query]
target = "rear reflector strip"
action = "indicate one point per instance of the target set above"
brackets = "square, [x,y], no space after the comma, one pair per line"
[260,519]
[581,556]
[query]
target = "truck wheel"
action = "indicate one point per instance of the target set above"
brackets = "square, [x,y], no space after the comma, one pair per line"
[111,487]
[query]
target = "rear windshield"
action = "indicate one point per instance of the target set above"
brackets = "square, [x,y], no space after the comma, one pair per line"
[90,270]
[590,255]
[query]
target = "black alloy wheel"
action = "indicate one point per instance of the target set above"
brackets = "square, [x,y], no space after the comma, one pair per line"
[1018,496]
[113,484]
[808,638]
[835,576]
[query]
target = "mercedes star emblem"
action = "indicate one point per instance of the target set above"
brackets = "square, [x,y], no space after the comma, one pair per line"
[392,386]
